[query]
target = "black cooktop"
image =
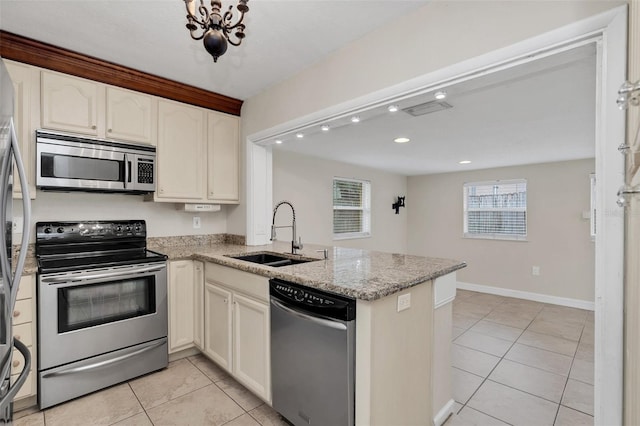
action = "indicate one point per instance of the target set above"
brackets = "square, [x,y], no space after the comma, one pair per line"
[70,246]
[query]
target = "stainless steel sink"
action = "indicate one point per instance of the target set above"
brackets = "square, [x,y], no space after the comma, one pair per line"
[272,259]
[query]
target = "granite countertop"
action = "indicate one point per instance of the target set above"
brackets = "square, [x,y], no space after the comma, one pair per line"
[361,274]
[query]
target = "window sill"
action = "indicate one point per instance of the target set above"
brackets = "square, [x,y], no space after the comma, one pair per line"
[351,236]
[515,238]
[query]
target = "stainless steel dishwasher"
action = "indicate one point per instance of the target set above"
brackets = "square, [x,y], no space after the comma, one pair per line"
[312,355]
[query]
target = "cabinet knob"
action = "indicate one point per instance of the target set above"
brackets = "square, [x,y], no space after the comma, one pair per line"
[225,300]
[17,337]
[16,363]
[16,314]
[109,130]
[93,127]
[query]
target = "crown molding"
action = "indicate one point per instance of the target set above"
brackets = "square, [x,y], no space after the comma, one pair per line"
[33,52]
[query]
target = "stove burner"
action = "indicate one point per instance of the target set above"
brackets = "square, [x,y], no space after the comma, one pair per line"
[70,246]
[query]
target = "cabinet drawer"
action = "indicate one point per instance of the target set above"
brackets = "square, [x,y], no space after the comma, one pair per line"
[24,333]
[22,313]
[27,388]
[244,282]
[25,290]
[17,362]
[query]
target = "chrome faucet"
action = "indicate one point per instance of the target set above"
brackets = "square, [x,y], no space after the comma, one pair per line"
[294,246]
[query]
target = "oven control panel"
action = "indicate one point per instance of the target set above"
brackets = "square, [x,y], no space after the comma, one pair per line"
[90,230]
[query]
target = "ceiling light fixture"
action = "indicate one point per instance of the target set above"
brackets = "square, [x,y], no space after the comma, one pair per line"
[440,95]
[278,141]
[325,128]
[216,27]
[401,140]
[393,108]
[464,162]
[299,135]
[355,119]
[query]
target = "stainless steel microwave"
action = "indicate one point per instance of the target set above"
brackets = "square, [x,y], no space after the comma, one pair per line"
[68,162]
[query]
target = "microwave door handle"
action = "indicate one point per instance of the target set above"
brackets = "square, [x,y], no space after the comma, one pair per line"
[127,170]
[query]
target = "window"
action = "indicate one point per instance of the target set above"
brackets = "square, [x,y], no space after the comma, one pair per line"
[496,209]
[351,208]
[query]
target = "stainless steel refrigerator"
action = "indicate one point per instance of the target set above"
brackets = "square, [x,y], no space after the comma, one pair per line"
[10,279]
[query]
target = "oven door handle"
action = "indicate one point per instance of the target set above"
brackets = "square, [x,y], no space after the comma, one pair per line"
[105,363]
[85,277]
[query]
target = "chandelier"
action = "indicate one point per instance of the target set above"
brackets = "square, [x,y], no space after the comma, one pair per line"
[216,28]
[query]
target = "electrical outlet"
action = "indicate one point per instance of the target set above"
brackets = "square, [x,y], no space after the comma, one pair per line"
[196,222]
[535,270]
[404,302]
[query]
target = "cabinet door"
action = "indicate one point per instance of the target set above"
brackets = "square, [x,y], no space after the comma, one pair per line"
[251,345]
[180,304]
[223,144]
[198,309]
[181,152]
[72,104]
[131,116]
[26,86]
[217,320]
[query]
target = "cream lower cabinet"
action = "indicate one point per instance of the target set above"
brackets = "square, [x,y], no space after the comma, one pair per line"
[24,329]
[237,326]
[181,300]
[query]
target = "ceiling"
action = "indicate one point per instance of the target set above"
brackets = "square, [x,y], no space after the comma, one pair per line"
[282,37]
[539,112]
[542,111]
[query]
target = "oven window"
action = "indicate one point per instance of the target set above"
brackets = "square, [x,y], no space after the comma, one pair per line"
[95,304]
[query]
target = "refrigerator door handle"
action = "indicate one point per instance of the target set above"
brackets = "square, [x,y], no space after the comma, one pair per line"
[26,214]
[15,387]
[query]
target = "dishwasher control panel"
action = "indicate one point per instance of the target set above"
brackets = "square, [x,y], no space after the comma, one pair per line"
[313,300]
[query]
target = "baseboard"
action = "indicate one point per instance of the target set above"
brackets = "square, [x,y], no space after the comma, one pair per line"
[536,297]
[444,413]
[183,354]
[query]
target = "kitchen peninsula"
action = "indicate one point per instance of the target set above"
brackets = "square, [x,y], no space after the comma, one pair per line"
[402,354]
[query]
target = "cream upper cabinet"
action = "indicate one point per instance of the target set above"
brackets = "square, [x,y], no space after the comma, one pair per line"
[131,116]
[72,104]
[26,85]
[217,321]
[251,345]
[198,309]
[223,157]
[180,304]
[181,155]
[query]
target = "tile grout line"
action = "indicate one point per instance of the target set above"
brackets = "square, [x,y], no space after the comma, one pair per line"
[503,357]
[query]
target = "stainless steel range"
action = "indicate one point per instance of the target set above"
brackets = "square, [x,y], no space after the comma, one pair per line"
[102,307]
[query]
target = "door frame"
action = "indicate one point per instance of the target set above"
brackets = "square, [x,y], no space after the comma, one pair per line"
[609,31]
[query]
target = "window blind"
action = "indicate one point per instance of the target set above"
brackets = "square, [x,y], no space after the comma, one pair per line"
[351,208]
[496,209]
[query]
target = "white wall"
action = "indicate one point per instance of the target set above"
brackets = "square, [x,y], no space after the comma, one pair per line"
[162,218]
[440,34]
[308,184]
[558,239]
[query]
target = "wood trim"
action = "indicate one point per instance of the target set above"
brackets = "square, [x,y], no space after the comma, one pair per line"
[33,52]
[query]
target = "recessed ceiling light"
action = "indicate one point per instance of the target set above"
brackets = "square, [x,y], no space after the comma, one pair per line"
[401,140]
[464,162]
[299,135]
[440,95]
[325,128]
[393,108]
[355,119]
[278,141]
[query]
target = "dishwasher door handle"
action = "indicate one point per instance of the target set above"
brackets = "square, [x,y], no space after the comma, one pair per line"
[320,321]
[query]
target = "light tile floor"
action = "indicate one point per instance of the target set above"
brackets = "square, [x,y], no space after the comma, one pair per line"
[513,362]
[520,362]
[191,391]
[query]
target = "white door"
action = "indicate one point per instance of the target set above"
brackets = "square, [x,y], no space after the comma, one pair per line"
[217,324]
